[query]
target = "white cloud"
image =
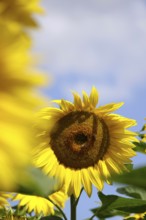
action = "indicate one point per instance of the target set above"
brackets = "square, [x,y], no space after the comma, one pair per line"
[96,39]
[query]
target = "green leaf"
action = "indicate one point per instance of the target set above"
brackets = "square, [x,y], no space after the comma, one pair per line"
[132,191]
[120,203]
[140,147]
[35,182]
[108,214]
[135,178]
[129,167]
[111,203]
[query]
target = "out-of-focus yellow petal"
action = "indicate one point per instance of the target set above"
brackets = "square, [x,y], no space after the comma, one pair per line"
[93,97]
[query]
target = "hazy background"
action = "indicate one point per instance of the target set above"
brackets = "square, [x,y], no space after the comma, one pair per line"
[96,42]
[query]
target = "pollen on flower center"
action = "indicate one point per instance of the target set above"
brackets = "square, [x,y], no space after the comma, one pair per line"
[79,139]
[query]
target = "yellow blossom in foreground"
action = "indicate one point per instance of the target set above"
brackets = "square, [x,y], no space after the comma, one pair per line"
[17,106]
[18,98]
[83,145]
[39,204]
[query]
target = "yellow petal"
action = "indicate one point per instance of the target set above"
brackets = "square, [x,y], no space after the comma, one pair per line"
[86,181]
[103,168]
[113,166]
[95,178]
[68,177]
[50,111]
[109,108]
[42,157]
[57,101]
[77,183]
[66,106]
[85,99]
[77,101]
[93,97]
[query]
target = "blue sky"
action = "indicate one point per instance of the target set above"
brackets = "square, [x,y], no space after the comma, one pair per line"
[82,43]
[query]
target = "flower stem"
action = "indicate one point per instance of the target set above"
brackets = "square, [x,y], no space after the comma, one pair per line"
[76,202]
[59,209]
[73,208]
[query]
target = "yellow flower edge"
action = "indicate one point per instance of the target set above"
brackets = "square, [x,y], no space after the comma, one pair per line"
[19,14]
[83,145]
[40,205]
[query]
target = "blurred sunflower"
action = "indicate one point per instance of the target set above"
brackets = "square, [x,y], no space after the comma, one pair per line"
[17,106]
[82,144]
[39,204]
[20,13]
[18,85]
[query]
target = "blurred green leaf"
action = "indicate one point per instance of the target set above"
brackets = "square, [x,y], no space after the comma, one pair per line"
[35,182]
[135,178]
[140,147]
[129,167]
[2,213]
[132,191]
[20,211]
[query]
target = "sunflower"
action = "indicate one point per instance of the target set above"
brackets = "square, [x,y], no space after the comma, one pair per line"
[18,99]
[83,145]
[39,204]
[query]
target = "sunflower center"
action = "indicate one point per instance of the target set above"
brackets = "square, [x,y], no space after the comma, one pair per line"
[79,139]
